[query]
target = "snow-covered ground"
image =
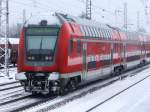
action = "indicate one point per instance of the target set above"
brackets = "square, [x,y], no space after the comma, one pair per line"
[10,78]
[136,99]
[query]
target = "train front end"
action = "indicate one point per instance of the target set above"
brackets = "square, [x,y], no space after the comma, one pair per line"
[37,63]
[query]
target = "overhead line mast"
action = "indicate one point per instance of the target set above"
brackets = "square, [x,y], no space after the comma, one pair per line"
[88,9]
[6,39]
[4,34]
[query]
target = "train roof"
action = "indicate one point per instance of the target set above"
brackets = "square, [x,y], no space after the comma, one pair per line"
[51,20]
[82,21]
[11,40]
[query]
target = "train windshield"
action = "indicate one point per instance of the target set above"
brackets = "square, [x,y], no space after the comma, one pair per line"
[40,43]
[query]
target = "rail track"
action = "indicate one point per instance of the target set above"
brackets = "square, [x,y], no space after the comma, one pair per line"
[9,86]
[16,99]
[82,91]
[111,97]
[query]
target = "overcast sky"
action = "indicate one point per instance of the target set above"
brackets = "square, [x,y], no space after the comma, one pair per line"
[44,8]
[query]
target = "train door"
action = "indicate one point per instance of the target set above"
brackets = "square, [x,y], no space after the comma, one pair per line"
[124,53]
[84,67]
[142,51]
[106,59]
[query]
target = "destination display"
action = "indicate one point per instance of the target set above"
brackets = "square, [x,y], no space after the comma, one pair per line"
[42,31]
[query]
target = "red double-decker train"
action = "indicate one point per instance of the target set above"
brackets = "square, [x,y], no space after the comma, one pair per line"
[73,51]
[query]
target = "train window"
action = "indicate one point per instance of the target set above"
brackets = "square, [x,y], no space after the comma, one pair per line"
[79,46]
[105,31]
[82,30]
[104,34]
[101,33]
[71,27]
[99,30]
[91,32]
[97,33]
[70,46]
[108,33]
[85,31]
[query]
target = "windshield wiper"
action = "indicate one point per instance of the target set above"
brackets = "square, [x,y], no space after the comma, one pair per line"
[41,45]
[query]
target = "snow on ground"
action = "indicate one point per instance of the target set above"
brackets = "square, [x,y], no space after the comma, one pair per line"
[6,79]
[11,40]
[136,99]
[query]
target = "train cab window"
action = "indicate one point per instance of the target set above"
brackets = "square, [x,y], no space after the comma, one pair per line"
[78,46]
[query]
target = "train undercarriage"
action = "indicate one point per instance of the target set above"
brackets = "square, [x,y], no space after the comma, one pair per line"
[48,84]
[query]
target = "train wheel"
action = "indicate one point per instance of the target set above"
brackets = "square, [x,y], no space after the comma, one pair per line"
[117,71]
[72,85]
[63,91]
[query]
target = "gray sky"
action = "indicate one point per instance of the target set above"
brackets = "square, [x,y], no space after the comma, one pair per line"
[44,8]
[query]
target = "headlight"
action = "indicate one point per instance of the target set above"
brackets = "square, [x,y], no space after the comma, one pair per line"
[53,76]
[33,58]
[50,58]
[29,57]
[46,58]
